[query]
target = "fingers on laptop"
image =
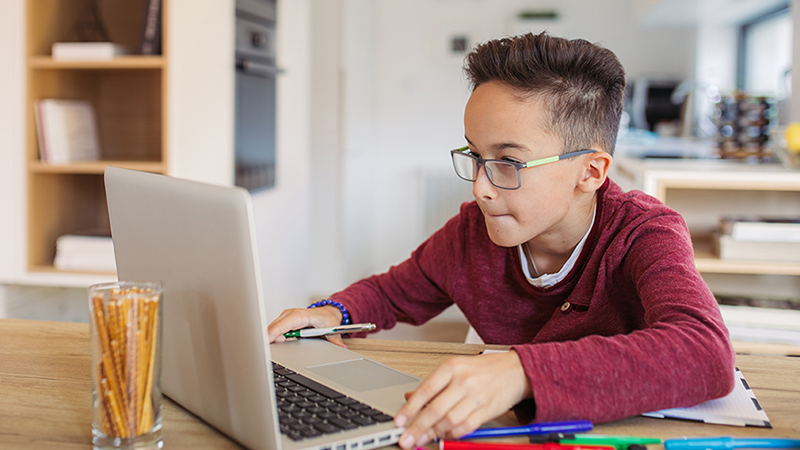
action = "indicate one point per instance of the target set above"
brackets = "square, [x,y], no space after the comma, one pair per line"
[288,320]
[336,339]
[430,403]
[460,395]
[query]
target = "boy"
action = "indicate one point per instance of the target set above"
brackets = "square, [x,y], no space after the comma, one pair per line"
[595,288]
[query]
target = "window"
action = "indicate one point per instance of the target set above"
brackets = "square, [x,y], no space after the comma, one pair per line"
[765,55]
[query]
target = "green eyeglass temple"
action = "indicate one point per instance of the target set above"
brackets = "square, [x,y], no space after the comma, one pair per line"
[538,162]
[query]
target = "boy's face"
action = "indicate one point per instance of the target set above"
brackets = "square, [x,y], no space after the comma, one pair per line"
[500,125]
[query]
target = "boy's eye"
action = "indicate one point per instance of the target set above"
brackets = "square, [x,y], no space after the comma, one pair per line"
[473,153]
[511,160]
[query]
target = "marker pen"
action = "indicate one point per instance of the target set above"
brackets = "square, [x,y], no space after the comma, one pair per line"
[466,445]
[572,426]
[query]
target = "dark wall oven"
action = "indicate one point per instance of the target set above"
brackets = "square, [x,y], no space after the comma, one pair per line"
[255,94]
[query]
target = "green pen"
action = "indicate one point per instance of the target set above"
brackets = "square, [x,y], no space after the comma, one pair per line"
[341,329]
[620,442]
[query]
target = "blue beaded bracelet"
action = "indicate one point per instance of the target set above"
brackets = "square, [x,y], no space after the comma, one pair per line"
[345,314]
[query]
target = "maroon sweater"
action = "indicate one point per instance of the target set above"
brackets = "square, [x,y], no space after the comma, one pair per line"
[633,328]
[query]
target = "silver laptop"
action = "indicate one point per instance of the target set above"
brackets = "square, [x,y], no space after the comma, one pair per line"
[199,241]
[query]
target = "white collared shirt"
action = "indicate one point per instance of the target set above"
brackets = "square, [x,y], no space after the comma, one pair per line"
[547,280]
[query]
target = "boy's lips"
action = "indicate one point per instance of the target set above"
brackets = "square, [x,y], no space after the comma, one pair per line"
[496,215]
[492,213]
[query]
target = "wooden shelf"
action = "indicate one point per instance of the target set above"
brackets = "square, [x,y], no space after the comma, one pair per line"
[121,62]
[713,264]
[129,97]
[779,181]
[95,167]
[707,261]
[52,270]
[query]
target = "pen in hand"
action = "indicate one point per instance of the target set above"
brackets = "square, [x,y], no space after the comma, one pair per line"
[341,329]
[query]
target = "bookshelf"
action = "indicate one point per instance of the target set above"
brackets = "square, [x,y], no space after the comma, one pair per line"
[702,191]
[129,94]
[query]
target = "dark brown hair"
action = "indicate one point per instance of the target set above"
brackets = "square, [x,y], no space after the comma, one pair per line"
[580,83]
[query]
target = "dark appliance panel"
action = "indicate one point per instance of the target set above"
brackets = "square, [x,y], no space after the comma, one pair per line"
[255,99]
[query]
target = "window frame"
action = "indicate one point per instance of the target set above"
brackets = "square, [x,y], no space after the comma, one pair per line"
[741,51]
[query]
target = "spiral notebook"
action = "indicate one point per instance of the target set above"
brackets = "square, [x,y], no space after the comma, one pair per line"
[739,408]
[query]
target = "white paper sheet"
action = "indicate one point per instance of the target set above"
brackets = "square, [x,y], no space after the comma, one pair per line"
[739,408]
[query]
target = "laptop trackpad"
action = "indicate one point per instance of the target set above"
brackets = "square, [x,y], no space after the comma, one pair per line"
[361,375]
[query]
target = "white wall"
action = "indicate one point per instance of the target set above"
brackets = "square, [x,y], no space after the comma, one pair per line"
[402,99]
[343,140]
[360,127]
[325,143]
[200,43]
[12,112]
[282,213]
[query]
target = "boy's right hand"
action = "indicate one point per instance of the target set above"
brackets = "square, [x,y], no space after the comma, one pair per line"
[298,318]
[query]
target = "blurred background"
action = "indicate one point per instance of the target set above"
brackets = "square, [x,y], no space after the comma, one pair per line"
[368,100]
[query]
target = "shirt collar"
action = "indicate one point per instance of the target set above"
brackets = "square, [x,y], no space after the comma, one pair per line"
[551,279]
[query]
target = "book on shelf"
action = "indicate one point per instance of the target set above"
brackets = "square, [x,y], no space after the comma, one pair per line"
[762,228]
[729,248]
[86,252]
[66,131]
[73,51]
[150,41]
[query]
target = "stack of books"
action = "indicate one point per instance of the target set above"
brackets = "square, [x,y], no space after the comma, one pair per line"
[759,238]
[85,252]
[67,131]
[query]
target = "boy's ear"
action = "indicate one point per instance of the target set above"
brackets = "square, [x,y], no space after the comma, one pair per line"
[596,171]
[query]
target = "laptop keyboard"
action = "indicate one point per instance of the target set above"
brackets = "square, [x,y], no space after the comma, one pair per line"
[308,409]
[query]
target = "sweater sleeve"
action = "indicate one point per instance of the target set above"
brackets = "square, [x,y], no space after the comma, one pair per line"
[681,356]
[415,290]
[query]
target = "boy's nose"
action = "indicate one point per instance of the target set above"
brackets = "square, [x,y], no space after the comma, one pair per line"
[482,187]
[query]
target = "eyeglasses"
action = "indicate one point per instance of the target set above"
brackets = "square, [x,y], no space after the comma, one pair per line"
[502,174]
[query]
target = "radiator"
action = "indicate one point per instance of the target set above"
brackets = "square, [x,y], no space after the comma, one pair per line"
[442,195]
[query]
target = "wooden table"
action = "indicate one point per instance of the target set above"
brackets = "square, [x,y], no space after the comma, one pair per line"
[45,391]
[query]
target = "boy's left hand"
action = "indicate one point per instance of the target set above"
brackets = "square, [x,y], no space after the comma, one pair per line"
[460,395]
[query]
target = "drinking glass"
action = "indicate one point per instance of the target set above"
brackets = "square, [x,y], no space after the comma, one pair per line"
[126,365]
